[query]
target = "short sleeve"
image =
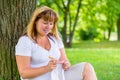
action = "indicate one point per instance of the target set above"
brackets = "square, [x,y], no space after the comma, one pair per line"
[60,43]
[23,47]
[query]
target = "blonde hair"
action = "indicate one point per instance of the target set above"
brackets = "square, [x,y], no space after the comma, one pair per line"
[45,13]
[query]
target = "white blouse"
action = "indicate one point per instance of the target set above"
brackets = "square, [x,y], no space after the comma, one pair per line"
[39,56]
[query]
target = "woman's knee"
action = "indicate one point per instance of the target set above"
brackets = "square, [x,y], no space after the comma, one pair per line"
[88,68]
[89,73]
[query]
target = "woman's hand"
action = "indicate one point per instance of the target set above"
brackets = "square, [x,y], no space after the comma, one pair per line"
[52,64]
[66,65]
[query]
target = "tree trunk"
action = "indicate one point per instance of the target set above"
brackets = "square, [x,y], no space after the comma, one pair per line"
[110,28]
[118,28]
[66,13]
[71,34]
[14,16]
[64,30]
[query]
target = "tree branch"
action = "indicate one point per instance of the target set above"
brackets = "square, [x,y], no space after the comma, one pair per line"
[76,19]
[56,2]
[63,4]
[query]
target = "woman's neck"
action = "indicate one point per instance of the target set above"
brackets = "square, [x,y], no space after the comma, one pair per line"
[43,42]
[41,36]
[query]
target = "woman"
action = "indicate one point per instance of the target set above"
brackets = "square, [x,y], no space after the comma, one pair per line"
[40,53]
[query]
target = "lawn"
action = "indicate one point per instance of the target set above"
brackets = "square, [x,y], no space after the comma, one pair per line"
[104,56]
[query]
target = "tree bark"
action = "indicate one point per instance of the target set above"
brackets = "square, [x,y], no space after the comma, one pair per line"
[110,21]
[118,28]
[74,25]
[64,30]
[68,36]
[14,16]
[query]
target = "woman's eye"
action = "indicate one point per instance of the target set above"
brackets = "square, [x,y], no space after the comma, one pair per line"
[51,23]
[45,23]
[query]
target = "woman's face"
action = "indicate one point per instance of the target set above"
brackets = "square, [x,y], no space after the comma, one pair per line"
[43,27]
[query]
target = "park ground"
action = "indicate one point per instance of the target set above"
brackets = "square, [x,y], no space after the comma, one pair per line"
[104,56]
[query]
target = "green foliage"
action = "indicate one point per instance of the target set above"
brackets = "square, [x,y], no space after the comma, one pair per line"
[102,14]
[44,2]
[88,34]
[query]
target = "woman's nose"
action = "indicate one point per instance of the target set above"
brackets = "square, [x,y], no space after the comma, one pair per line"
[48,25]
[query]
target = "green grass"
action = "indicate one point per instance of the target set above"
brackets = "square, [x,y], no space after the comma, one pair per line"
[91,44]
[104,56]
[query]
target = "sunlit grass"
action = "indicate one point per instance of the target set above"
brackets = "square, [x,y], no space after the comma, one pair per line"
[91,44]
[106,60]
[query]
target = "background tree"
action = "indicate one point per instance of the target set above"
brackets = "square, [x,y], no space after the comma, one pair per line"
[98,16]
[95,16]
[118,21]
[112,11]
[118,28]
[14,16]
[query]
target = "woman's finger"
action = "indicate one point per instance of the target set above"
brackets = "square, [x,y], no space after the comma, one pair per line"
[60,62]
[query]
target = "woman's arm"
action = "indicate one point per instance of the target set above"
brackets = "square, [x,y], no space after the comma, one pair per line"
[63,54]
[64,58]
[23,63]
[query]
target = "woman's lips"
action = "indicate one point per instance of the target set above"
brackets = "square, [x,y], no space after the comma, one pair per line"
[46,31]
